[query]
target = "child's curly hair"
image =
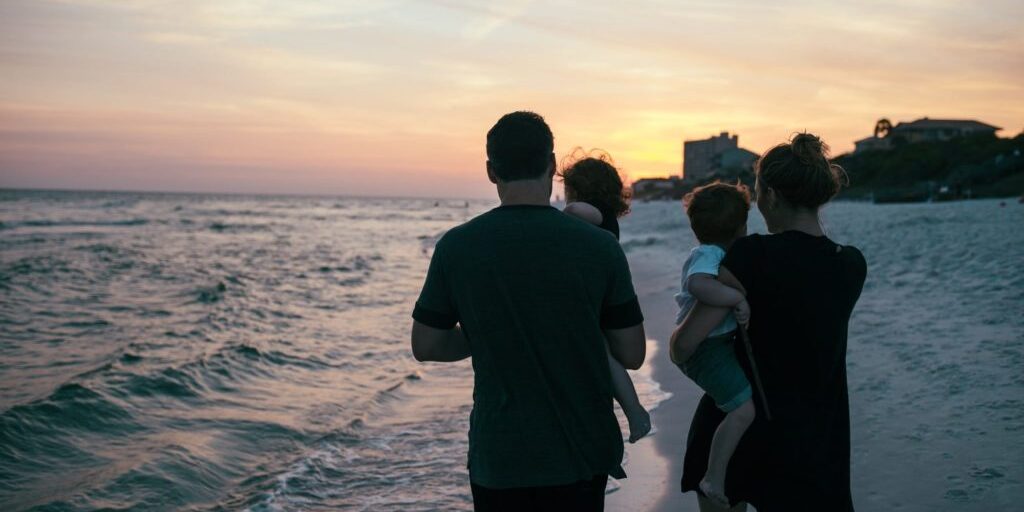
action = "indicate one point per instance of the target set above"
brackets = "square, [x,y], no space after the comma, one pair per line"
[591,177]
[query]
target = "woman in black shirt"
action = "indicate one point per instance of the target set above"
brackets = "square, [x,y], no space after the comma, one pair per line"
[801,288]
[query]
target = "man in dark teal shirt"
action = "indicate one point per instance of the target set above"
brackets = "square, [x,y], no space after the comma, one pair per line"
[535,296]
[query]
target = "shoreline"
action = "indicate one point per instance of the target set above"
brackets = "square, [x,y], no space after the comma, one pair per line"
[655,463]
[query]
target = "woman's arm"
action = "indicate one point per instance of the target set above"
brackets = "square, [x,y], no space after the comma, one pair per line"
[706,289]
[727,278]
[701,320]
[742,309]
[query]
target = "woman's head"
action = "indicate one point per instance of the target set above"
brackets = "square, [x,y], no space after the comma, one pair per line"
[591,177]
[797,175]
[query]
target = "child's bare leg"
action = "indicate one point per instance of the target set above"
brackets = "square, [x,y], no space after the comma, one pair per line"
[727,436]
[625,394]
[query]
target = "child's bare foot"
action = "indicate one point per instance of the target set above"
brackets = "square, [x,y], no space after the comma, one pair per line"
[639,425]
[715,494]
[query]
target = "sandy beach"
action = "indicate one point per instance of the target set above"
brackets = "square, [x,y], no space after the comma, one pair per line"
[654,464]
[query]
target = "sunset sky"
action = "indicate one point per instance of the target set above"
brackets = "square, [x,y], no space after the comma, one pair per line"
[395,97]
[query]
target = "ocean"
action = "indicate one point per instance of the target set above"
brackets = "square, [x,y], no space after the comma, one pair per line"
[223,352]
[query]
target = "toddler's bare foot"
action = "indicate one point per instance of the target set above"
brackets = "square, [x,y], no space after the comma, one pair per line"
[715,494]
[639,425]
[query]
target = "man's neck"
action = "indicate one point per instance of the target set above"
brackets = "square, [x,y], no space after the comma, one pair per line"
[525,192]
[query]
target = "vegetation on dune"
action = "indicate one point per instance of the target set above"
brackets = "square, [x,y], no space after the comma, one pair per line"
[974,166]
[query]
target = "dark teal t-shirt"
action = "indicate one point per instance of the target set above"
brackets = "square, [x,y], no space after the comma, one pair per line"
[532,288]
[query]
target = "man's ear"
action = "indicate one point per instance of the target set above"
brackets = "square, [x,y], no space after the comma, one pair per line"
[552,165]
[490,173]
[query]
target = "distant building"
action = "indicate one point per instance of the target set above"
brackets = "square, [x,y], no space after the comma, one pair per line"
[736,158]
[702,158]
[649,186]
[921,130]
[871,144]
[649,189]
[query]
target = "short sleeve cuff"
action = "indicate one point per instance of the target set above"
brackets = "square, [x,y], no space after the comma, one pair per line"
[622,315]
[705,260]
[433,318]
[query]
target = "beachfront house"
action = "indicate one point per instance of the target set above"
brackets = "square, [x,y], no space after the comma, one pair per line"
[921,130]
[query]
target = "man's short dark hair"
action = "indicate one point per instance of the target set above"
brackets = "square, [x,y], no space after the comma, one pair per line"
[519,146]
[717,211]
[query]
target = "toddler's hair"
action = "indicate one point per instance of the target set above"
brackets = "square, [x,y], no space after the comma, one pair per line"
[593,178]
[717,211]
[800,172]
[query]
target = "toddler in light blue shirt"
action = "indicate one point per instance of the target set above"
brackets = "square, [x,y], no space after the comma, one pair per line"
[718,216]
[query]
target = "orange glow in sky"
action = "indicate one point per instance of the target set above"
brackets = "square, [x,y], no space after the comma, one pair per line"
[395,97]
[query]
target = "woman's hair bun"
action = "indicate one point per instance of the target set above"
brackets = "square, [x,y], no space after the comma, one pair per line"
[809,148]
[801,172]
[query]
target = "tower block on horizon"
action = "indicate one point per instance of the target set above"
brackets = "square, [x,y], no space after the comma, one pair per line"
[702,158]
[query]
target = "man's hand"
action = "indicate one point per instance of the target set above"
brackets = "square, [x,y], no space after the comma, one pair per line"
[742,312]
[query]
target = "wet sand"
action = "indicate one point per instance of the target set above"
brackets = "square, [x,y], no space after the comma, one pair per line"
[655,464]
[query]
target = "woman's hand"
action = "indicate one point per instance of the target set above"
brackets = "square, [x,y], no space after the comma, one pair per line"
[742,312]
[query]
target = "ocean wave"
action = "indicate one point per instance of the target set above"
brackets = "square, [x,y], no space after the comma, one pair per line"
[637,243]
[921,221]
[404,467]
[38,264]
[210,294]
[238,227]
[50,223]
[220,371]
[70,406]
[277,357]
[226,212]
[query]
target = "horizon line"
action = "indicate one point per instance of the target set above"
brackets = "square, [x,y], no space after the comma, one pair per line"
[4,189]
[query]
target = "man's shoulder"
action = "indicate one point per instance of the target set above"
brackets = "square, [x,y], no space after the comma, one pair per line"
[553,221]
[554,234]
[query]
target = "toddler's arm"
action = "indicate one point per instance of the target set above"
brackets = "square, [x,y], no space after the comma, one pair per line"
[705,288]
[585,211]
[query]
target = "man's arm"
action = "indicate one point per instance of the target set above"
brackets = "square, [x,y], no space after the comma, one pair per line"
[628,346]
[706,289]
[441,345]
